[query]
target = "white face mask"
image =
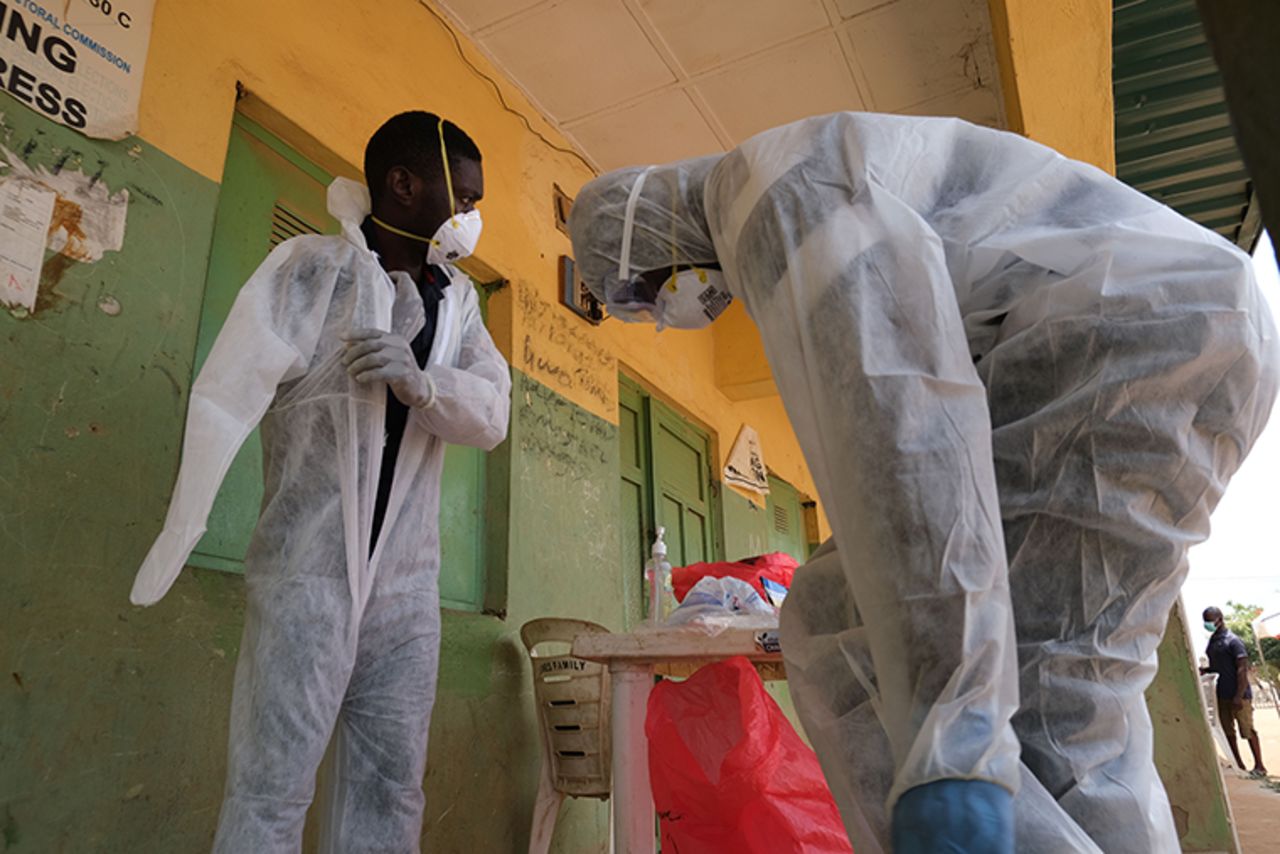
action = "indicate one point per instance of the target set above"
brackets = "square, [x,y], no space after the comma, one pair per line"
[692,299]
[456,238]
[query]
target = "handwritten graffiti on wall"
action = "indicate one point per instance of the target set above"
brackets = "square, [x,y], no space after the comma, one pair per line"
[569,441]
[556,350]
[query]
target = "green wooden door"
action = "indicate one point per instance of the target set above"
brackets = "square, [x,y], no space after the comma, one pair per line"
[786,520]
[271,193]
[666,481]
[268,195]
[636,497]
[682,486]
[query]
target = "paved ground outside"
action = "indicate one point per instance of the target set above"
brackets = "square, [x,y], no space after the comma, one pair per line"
[1255,803]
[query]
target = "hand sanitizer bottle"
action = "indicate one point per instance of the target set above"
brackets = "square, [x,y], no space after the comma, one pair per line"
[657,573]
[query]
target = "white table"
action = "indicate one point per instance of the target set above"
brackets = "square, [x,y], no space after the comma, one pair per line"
[633,661]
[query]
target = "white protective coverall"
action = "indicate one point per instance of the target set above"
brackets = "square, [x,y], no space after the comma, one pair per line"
[333,637]
[1021,387]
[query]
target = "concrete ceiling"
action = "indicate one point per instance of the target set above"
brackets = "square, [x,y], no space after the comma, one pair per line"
[647,81]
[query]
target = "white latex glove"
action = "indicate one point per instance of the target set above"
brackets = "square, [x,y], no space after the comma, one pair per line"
[376,356]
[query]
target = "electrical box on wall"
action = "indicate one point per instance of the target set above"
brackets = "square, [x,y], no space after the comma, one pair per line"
[574,293]
[561,204]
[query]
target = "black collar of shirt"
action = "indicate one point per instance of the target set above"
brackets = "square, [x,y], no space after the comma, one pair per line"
[435,278]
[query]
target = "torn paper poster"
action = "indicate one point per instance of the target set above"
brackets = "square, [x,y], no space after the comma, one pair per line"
[26,210]
[88,219]
[745,467]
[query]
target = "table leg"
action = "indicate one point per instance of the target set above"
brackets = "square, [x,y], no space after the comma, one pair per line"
[632,797]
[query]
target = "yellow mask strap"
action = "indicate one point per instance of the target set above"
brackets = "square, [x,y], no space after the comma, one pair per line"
[448,178]
[675,255]
[402,232]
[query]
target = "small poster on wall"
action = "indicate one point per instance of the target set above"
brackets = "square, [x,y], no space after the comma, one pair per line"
[745,467]
[26,211]
[78,62]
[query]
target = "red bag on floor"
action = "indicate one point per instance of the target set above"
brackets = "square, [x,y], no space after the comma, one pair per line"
[729,773]
[777,568]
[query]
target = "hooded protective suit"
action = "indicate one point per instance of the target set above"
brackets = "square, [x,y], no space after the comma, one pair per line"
[1020,387]
[333,636]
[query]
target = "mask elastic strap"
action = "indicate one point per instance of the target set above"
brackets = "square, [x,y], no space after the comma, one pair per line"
[628,224]
[448,178]
[400,231]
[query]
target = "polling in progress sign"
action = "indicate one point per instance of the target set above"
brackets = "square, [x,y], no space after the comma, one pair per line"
[79,62]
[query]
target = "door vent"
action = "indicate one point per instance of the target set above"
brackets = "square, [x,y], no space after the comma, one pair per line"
[781,520]
[286,224]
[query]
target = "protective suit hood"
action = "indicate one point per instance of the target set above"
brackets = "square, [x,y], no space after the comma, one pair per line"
[349,203]
[670,223]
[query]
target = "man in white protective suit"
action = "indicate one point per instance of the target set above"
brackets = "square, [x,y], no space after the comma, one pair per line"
[1021,387]
[361,355]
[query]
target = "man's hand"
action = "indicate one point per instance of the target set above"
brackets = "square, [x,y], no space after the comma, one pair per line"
[1237,703]
[375,356]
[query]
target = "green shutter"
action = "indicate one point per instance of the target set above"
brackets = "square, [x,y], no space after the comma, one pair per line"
[786,520]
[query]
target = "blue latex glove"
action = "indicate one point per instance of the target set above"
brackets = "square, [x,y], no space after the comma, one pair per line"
[954,817]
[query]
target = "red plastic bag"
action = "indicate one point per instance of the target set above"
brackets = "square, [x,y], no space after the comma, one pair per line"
[729,773]
[777,567]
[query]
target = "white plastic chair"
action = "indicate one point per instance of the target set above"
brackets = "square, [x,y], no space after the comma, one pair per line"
[573,711]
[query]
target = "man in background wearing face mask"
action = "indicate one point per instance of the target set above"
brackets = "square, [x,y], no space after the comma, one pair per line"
[362,355]
[1228,658]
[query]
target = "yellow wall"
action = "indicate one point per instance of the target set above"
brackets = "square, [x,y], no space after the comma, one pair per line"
[336,71]
[1055,69]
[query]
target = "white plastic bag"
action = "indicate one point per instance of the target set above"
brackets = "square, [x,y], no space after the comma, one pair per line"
[716,604]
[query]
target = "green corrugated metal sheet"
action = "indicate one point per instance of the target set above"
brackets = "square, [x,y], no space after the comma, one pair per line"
[1173,133]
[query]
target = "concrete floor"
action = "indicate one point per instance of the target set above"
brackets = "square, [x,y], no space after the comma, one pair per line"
[1255,804]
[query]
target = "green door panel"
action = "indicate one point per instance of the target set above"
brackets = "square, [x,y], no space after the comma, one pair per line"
[682,484]
[461,529]
[267,194]
[786,520]
[636,494]
[666,482]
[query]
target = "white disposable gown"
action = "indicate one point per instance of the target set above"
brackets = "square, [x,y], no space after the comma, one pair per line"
[1021,387]
[335,641]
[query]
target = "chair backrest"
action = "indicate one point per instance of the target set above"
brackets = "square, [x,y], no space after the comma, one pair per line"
[573,706]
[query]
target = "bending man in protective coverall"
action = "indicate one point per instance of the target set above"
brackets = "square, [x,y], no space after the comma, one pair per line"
[1021,388]
[361,355]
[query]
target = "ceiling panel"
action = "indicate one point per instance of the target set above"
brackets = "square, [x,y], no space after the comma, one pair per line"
[664,127]
[709,33]
[915,50]
[980,106]
[579,56]
[849,8]
[478,14]
[641,81]
[804,79]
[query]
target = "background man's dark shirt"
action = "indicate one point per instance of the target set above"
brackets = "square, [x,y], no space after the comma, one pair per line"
[1224,652]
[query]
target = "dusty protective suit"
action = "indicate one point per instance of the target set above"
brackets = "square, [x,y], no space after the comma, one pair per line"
[1020,387]
[332,635]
